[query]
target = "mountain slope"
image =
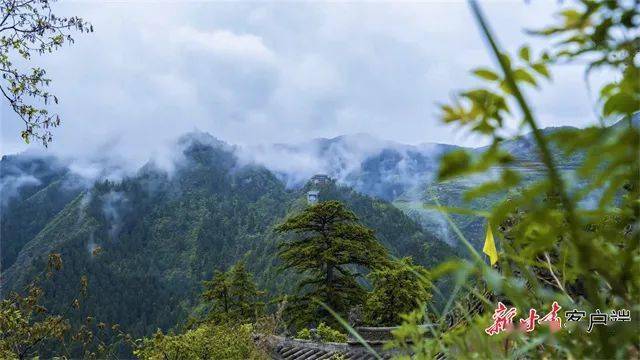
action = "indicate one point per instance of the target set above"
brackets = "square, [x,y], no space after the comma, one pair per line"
[148,241]
[32,191]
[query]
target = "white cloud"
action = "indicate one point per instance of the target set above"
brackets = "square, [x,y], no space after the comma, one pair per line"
[277,72]
[223,43]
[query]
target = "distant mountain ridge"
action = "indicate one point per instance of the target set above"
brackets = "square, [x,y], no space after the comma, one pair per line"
[380,168]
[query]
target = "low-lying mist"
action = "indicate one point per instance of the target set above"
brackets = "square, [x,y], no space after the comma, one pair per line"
[370,165]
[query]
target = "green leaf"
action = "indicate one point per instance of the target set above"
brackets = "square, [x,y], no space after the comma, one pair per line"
[608,89]
[541,69]
[621,103]
[25,136]
[522,75]
[454,163]
[486,74]
[571,17]
[505,87]
[484,127]
[449,114]
[525,53]
[507,60]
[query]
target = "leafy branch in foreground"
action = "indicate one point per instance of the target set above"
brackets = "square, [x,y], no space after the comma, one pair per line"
[232,329]
[27,28]
[573,236]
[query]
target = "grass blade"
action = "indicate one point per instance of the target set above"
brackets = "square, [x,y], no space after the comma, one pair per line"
[351,330]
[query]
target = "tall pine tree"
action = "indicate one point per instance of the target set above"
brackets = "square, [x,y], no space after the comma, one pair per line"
[328,248]
[216,295]
[244,293]
[233,295]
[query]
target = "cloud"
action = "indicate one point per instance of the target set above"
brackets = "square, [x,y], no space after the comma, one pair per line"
[114,207]
[276,73]
[11,185]
[223,43]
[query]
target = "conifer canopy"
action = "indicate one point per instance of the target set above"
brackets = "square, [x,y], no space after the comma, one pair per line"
[330,247]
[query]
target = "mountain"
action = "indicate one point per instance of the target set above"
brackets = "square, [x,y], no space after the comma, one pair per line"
[401,174]
[379,168]
[398,173]
[147,242]
[32,191]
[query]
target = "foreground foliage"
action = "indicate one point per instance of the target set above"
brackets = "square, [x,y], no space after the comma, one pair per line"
[207,341]
[30,330]
[322,333]
[29,27]
[577,245]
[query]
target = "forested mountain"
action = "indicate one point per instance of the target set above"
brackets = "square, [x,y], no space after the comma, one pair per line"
[32,191]
[146,242]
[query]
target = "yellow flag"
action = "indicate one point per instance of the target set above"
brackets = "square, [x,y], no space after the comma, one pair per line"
[489,247]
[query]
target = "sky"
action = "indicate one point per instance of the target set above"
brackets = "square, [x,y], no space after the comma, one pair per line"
[279,72]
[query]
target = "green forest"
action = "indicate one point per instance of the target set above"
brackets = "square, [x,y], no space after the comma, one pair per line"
[218,259]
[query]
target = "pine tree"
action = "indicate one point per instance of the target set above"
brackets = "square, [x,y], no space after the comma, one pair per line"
[244,293]
[328,247]
[233,296]
[216,293]
[399,288]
